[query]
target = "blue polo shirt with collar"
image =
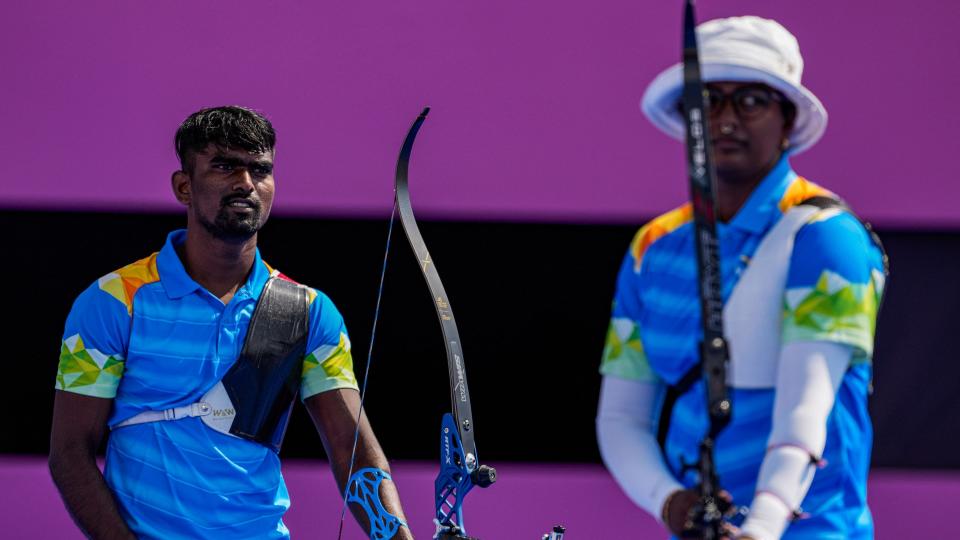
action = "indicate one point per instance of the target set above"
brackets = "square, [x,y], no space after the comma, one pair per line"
[150,338]
[832,294]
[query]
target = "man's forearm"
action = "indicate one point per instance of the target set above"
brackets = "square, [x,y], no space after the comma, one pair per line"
[809,375]
[628,445]
[369,454]
[335,415]
[87,497]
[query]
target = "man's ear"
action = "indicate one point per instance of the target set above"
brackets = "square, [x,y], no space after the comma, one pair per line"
[180,182]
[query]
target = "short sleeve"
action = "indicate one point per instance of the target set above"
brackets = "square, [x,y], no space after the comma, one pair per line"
[328,364]
[93,349]
[834,284]
[623,354]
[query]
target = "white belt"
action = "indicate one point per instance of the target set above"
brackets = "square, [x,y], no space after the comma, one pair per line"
[201,408]
[214,408]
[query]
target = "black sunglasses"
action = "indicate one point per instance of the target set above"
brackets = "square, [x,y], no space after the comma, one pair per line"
[748,101]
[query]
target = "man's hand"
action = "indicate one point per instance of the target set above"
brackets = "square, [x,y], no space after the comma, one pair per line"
[676,515]
[403,534]
[676,509]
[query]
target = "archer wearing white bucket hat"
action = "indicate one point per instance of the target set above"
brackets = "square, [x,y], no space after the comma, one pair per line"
[742,49]
[801,279]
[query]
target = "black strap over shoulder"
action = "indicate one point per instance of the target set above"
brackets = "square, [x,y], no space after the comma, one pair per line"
[824,202]
[264,382]
[683,385]
[674,391]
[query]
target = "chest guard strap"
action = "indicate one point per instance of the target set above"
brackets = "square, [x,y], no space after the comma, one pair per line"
[751,314]
[254,398]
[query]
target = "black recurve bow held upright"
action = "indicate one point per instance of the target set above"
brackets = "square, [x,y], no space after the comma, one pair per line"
[707,515]
[460,468]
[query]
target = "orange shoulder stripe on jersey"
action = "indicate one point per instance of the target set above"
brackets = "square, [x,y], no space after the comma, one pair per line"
[124,283]
[800,190]
[657,228]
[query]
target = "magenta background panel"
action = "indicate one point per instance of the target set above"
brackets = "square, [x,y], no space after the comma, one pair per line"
[535,103]
[525,502]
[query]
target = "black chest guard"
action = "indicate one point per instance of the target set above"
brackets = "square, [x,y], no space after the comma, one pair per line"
[263,383]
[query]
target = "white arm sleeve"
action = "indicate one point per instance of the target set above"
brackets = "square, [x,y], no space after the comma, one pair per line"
[628,444]
[807,381]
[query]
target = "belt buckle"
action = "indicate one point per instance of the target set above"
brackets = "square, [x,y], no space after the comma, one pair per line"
[203,408]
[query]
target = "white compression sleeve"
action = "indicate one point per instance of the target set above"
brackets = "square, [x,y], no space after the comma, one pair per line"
[807,381]
[625,434]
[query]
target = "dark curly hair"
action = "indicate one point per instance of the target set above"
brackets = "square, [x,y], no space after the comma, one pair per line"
[229,127]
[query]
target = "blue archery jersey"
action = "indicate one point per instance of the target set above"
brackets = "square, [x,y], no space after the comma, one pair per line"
[151,338]
[834,282]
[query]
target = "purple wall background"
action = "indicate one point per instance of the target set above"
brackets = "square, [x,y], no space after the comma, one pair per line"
[535,117]
[535,103]
[525,503]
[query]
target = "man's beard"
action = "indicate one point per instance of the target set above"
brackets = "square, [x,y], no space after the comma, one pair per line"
[232,227]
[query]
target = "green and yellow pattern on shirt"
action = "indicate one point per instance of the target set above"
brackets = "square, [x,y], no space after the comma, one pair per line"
[829,296]
[335,364]
[88,371]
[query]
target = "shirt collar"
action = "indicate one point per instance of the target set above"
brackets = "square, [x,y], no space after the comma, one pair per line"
[763,204]
[178,283]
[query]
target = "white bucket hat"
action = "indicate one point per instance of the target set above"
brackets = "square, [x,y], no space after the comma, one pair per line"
[742,49]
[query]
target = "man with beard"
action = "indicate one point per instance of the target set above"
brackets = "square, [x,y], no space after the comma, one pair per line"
[801,280]
[148,351]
